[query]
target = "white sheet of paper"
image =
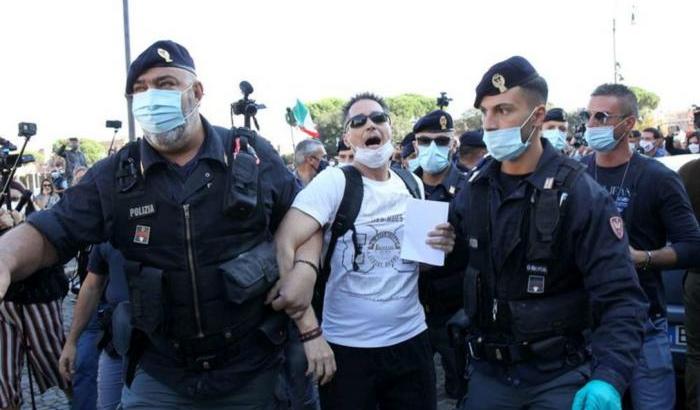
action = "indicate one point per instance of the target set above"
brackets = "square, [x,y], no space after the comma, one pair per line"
[422,217]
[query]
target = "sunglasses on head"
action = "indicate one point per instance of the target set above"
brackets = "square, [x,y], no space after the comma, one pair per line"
[600,116]
[440,141]
[359,120]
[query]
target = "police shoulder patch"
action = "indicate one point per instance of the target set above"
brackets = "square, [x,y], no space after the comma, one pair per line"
[617,226]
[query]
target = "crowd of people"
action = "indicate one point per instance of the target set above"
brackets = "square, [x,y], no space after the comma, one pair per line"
[215,277]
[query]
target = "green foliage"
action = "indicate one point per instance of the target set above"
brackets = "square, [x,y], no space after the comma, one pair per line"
[647,101]
[405,110]
[93,150]
[469,120]
[327,115]
[39,156]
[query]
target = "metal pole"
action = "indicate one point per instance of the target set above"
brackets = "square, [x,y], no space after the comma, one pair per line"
[614,53]
[127,58]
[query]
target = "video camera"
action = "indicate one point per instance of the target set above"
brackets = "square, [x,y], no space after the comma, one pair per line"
[9,161]
[246,106]
[578,136]
[443,100]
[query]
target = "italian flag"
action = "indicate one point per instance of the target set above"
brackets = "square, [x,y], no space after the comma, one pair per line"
[304,121]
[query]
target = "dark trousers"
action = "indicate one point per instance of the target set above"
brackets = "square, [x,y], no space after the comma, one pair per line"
[487,393]
[691,299]
[401,376]
[440,343]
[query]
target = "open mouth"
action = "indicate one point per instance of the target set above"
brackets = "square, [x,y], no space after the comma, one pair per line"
[373,142]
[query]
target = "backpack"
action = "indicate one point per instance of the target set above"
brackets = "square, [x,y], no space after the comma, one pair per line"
[344,221]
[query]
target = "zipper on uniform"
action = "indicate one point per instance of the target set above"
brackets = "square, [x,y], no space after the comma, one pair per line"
[494,309]
[190,265]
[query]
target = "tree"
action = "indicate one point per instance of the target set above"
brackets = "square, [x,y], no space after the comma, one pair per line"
[405,110]
[469,120]
[327,115]
[647,102]
[93,150]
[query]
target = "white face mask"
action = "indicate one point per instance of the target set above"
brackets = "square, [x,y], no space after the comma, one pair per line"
[633,146]
[694,148]
[374,158]
[647,146]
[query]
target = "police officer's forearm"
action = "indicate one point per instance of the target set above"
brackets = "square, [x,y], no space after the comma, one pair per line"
[24,250]
[88,298]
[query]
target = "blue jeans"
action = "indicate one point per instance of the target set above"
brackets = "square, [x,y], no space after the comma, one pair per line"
[653,383]
[109,382]
[85,376]
[148,393]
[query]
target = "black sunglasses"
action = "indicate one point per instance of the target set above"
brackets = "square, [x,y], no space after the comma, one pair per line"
[600,116]
[440,141]
[360,120]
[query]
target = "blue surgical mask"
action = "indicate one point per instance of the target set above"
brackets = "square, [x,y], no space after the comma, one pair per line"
[601,139]
[433,159]
[413,164]
[556,137]
[507,144]
[159,111]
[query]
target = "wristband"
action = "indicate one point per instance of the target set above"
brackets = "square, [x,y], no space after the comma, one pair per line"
[311,334]
[313,266]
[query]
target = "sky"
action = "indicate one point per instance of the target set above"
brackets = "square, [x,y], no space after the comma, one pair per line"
[63,62]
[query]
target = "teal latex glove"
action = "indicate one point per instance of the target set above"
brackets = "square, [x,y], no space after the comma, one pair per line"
[597,395]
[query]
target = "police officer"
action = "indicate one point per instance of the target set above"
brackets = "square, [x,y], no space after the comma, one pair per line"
[408,153]
[192,207]
[663,232]
[440,287]
[472,150]
[549,269]
[554,129]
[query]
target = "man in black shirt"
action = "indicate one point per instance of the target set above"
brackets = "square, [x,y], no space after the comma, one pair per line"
[656,210]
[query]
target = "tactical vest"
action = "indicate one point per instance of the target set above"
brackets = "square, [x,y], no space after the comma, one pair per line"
[198,271]
[540,299]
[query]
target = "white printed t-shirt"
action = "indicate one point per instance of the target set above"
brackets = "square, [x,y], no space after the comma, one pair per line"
[378,305]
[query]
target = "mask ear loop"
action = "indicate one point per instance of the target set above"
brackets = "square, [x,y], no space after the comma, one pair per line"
[529,137]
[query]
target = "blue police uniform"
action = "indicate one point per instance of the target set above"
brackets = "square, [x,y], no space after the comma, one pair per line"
[440,288]
[521,299]
[550,290]
[197,244]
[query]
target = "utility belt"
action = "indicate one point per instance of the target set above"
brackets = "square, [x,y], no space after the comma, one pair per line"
[571,349]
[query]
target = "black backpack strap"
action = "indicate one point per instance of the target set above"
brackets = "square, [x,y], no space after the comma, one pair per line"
[408,180]
[344,220]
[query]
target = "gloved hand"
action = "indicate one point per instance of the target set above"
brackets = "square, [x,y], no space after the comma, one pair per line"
[597,395]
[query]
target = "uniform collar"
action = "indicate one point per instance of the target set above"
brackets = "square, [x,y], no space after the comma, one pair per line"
[547,166]
[212,148]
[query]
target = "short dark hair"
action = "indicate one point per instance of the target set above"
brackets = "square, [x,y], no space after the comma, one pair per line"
[363,96]
[635,134]
[536,90]
[624,94]
[657,134]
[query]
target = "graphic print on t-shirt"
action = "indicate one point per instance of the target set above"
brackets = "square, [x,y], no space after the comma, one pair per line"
[382,274]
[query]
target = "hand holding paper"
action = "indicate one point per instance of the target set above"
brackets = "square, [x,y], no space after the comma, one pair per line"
[427,235]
